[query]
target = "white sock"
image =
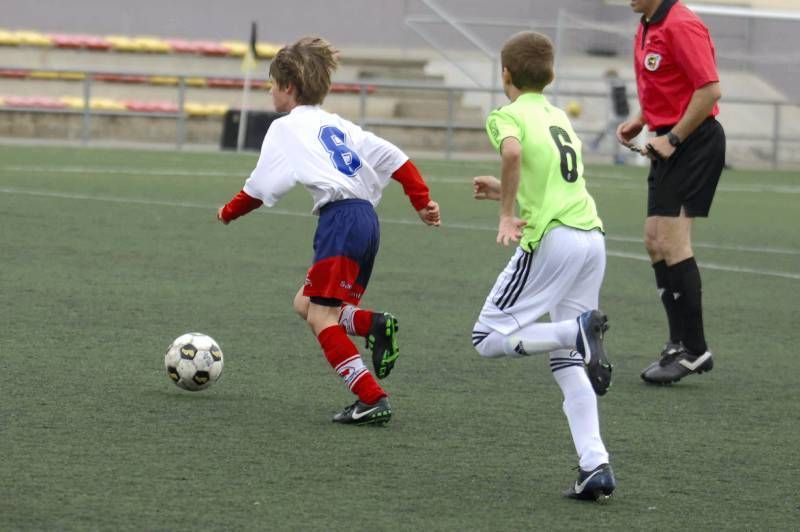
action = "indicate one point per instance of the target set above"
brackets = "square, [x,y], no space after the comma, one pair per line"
[489,344]
[535,338]
[351,370]
[543,338]
[346,319]
[580,407]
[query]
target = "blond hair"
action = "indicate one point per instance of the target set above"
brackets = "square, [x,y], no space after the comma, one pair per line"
[307,65]
[529,58]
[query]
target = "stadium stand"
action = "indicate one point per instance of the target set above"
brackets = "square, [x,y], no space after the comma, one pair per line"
[45,73]
[141,75]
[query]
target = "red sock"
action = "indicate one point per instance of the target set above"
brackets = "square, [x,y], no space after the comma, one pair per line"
[362,321]
[356,321]
[343,356]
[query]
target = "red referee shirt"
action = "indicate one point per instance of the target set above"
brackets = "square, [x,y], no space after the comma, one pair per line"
[673,57]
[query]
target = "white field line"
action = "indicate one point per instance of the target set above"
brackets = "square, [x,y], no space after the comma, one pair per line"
[395,221]
[115,171]
[632,184]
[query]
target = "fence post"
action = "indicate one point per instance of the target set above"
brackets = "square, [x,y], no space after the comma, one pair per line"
[86,123]
[560,21]
[776,132]
[450,119]
[493,93]
[362,105]
[181,125]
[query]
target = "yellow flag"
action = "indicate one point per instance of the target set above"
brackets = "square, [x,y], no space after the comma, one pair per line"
[249,60]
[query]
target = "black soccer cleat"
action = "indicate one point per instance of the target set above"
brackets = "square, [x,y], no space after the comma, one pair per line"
[592,326]
[382,340]
[668,350]
[360,413]
[597,484]
[677,364]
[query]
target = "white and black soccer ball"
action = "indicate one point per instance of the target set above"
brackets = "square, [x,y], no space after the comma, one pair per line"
[194,361]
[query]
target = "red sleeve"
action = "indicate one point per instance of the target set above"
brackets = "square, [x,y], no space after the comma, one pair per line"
[241,204]
[694,51]
[413,185]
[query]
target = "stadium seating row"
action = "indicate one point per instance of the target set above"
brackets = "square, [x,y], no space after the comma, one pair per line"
[194,81]
[105,104]
[121,43]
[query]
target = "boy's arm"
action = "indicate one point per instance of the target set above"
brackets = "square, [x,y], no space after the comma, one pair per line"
[418,193]
[510,227]
[413,185]
[239,205]
[700,107]
[486,187]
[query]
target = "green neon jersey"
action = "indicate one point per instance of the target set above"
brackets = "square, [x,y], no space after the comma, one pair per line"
[552,190]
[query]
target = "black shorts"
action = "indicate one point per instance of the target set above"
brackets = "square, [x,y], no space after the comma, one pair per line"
[688,179]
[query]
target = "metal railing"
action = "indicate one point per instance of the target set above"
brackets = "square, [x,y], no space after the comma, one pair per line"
[776,141]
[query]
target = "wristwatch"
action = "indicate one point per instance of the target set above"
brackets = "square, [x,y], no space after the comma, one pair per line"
[673,139]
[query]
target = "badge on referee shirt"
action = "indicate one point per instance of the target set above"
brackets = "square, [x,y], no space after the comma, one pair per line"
[652,61]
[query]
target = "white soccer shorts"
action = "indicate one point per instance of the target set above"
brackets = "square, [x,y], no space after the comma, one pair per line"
[562,278]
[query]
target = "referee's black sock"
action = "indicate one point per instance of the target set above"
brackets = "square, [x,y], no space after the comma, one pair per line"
[674,318]
[684,278]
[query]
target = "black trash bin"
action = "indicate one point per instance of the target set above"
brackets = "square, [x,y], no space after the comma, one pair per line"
[257,124]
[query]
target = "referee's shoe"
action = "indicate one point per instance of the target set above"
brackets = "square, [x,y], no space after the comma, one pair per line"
[592,326]
[677,364]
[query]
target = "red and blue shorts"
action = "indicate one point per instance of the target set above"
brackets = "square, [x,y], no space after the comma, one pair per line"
[345,246]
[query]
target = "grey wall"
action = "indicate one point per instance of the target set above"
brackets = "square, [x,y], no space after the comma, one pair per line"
[380,23]
[345,22]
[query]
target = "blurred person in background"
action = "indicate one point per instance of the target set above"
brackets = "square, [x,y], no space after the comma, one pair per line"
[618,111]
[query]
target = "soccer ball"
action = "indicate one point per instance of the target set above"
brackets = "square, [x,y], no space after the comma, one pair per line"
[193,361]
[574,109]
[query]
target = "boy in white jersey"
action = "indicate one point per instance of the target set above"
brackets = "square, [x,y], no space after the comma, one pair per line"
[345,169]
[559,264]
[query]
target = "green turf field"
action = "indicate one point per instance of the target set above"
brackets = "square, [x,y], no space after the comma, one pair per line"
[106,256]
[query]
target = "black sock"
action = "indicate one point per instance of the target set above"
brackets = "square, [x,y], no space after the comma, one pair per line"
[674,318]
[684,278]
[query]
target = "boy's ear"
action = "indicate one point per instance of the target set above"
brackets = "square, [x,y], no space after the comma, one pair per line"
[507,77]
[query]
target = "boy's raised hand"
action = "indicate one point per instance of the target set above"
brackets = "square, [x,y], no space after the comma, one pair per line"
[486,187]
[430,214]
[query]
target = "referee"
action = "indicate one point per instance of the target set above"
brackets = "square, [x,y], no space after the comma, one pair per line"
[678,85]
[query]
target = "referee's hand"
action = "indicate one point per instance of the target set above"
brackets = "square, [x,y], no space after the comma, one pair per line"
[629,130]
[661,148]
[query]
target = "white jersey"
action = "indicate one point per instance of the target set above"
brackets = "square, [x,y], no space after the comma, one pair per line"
[331,157]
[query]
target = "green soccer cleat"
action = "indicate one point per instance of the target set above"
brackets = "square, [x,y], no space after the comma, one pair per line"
[360,413]
[382,340]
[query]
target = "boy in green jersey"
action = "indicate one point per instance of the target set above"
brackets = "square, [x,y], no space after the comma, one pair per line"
[558,266]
